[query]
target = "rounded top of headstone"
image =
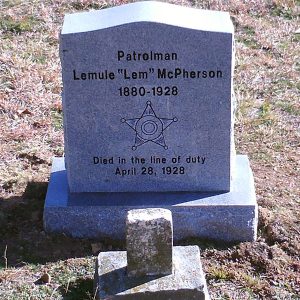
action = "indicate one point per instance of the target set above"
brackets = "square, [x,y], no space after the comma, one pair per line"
[148,11]
[148,214]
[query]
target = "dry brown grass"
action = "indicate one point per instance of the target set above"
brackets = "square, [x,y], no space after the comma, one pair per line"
[267,129]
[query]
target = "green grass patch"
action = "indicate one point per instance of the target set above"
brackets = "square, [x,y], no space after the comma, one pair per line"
[84,6]
[10,25]
[10,3]
[265,110]
[247,37]
[283,84]
[249,30]
[219,273]
[296,38]
[262,157]
[40,59]
[290,108]
[7,78]
[266,115]
[69,280]
[249,42]
[297,65]
[283,12]
[57,119]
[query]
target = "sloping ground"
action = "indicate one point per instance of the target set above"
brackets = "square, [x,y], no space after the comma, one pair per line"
[267,89]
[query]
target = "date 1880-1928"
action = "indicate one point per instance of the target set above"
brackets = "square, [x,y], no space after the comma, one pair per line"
[142,91]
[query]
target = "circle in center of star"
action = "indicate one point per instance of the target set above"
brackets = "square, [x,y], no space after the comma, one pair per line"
[149,127]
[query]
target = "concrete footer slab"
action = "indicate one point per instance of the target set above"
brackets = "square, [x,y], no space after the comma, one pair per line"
[187,281]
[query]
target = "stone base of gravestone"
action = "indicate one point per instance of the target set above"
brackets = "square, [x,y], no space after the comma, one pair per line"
[228,216]
[187,281]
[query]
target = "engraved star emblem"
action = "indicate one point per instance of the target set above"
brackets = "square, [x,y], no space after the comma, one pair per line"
[149,128]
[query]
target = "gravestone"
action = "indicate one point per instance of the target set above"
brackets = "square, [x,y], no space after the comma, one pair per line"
[142,111]
[177,272]
[148,122]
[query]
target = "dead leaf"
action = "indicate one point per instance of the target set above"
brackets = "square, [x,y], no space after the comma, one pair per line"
[24,112]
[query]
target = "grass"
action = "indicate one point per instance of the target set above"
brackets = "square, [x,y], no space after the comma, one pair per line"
[9,25]
[290,108]
[57,120]
[247,37]
[267,129]
[86,5]
[70,279]
[220,274]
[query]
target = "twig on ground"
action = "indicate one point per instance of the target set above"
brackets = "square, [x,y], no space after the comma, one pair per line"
[67,287]
[95,294]
[53,292]
[5,257]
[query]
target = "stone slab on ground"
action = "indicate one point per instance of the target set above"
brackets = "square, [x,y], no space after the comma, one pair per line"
[229,216]
[187,282]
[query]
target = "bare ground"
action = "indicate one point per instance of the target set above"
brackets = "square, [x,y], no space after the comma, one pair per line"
[267,89]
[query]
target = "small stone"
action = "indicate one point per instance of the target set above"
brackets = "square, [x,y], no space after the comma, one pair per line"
[45,278]
[149,240]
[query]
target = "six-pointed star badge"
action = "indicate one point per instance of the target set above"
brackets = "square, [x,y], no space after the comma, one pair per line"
[149,128]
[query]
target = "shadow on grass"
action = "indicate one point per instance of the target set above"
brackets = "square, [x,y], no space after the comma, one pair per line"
[81,289]
[22,233]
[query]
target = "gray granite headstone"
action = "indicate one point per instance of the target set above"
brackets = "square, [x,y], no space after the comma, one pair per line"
[148,105]
[147,99]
